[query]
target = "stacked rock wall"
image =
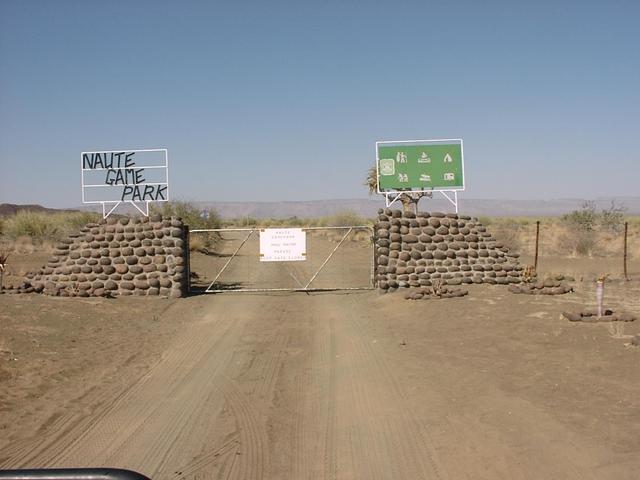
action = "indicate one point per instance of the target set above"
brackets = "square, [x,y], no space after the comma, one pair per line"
[117,257]
[413,250]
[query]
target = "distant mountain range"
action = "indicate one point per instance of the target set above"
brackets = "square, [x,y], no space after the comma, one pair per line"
[369,207]
[12,209]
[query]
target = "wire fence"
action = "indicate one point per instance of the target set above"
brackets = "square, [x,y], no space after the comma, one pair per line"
[554,246]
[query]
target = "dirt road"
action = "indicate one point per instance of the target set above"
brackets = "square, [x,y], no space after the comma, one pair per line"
[360,386]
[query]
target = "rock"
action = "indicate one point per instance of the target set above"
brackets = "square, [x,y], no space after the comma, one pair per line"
[409,238]
[572,317]
[135,269]
[626,317]
[141,284]
[175,293]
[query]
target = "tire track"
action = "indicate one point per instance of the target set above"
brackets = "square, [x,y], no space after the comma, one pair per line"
[313,431]
[113,429]
[204,461]
[62,435]
[375,388]
[108,437]
[329,358]
[252,463]
[71,431]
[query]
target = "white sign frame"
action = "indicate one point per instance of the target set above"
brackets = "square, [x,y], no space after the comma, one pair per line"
[273,249]
[115,204]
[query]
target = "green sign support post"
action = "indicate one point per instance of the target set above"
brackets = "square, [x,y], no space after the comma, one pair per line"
[420,166]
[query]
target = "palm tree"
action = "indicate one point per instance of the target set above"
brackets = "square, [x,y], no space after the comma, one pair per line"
[408,199]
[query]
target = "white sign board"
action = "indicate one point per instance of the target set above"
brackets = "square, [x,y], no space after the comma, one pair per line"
[283,245]
[118,176]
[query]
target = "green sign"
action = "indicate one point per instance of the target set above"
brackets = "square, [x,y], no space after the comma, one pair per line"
[420,166]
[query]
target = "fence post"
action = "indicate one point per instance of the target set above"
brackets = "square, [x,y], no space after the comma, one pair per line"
[626,227]
[187,258]
[535,261]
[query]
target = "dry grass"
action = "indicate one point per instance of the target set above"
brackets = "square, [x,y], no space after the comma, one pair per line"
[203,242]
[562,240]
[340,219]
[29,230]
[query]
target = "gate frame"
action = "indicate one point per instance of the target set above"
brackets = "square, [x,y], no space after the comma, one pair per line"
[307,288]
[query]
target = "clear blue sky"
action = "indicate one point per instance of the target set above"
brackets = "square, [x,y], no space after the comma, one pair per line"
[275,100]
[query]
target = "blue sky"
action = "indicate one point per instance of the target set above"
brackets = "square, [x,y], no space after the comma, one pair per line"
[268,101]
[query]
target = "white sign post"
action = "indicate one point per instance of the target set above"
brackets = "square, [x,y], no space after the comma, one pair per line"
[125,176]
[283,245]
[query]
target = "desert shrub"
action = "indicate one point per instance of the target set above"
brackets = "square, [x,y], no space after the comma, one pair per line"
[198,242]
[576,242]
[77,220]
[586,228]
[32,224]
[344,219]
[584,219]
[195,218]
[42,227]
[191,215]
[241,222]
[587,217]
[584,242]
[293,222]
[612,218]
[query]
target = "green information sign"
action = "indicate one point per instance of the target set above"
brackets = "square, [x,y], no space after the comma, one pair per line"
[423,165]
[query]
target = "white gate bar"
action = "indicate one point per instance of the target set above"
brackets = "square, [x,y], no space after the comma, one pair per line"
[231,258]
[329,257]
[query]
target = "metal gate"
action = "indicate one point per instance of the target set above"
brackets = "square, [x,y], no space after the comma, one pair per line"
[338,258]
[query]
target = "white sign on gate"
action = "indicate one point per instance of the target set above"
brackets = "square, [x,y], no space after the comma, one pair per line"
[283,245]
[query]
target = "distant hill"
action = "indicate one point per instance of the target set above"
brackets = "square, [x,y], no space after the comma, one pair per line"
[7,209]
[369,207]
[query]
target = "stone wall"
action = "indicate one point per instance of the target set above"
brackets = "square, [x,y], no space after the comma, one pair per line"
[412,250]
[117,257]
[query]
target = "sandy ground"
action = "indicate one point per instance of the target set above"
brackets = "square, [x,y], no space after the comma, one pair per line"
[341,385]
